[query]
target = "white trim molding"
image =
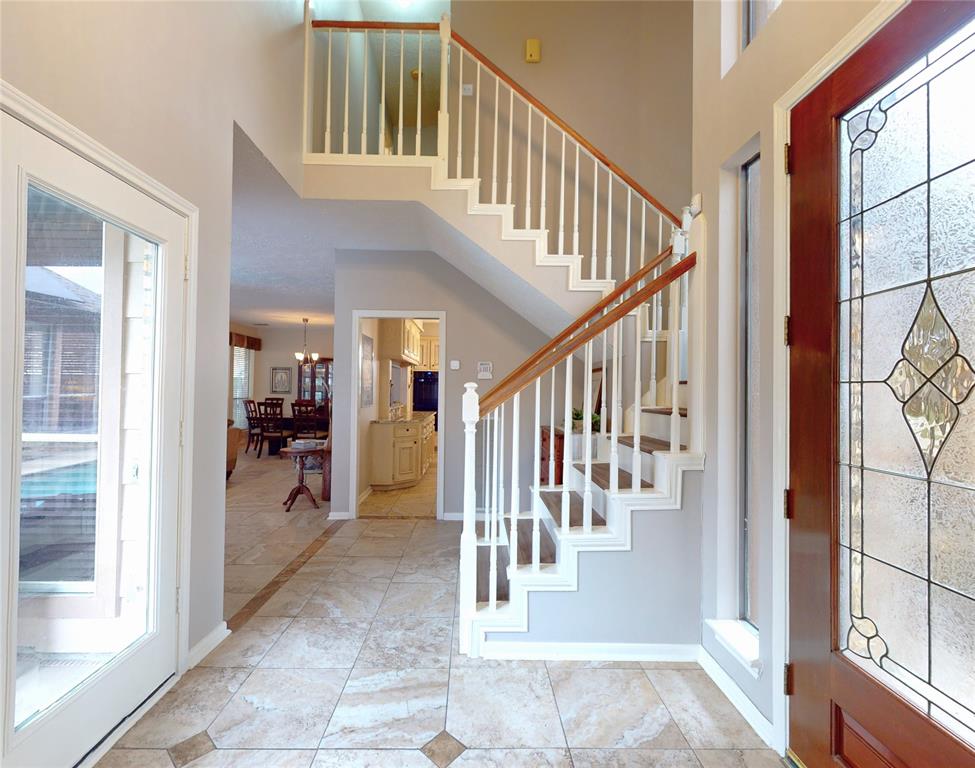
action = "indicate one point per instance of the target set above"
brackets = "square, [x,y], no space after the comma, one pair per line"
[211,640]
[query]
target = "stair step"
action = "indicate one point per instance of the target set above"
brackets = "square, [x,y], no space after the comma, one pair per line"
[546,546]
[553,503]
[647,444]
[600,476]
[663,410]
[484,573]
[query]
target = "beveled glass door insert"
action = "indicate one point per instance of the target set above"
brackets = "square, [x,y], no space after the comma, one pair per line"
[906,374]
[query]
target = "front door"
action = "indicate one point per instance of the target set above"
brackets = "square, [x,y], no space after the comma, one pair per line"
[882,420]
[91,325]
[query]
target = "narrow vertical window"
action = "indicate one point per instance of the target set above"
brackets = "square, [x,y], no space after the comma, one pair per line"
[748,366]
[243,360]
[754,15]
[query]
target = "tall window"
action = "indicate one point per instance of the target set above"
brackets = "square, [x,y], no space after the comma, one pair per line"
[748,366]
[242,378]
[754,15]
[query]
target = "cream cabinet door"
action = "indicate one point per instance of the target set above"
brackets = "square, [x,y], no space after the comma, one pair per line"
[405,460]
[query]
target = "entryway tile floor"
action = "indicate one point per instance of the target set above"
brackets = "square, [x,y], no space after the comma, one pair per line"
[353,663]
[418,501]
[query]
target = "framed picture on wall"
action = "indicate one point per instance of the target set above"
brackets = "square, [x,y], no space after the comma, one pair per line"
[367,381]
[280,381]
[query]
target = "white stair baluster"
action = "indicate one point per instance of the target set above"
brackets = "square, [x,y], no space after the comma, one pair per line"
[494,159]
[419,92]
[643,234]
[609,228]
[380,149]
[551,435]
[460,112]
[587,441]
[567,444]
[476,171]
[544,173]
[575,209]
[468,537]
[363,141]
[515,484]
[562,198]
[636,467]
[537,474]
[673,364]
[614,452]
[345,128]
[443,116]
[328,97]
[402,88]
[511,136]
[594,272]
[528,172]
[626,263]
[604,385]
[488,480]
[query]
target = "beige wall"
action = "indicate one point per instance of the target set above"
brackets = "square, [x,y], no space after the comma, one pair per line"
[618,72]
[733,119]
[162,84]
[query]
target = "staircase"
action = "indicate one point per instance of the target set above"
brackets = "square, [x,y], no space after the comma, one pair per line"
[544,220]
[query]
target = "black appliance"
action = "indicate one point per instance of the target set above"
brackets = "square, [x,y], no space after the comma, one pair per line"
[426,388]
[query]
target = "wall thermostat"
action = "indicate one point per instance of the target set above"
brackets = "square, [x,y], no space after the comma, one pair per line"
[455,365]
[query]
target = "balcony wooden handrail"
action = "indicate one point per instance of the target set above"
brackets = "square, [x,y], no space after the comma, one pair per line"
[582,141]
[414,26]
[595,310]
[504,391]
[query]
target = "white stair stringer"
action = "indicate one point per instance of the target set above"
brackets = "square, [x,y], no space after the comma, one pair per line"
[489,226]
[563,575]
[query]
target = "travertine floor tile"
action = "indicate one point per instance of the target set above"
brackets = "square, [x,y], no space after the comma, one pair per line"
[426,570]
[706,718]
[135,758]
[405,642]
[634,758]
[739,758]
[389,708]
[365,569]
[378,547]
[513,758]
[340,600]
[247,646]
[187,709]
[501,707]
[613,709]
[247,578]
[317,644]
[420,600]
[255,758]
[370,758]
[279,709]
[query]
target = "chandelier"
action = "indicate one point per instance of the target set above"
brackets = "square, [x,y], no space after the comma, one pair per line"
[304,357]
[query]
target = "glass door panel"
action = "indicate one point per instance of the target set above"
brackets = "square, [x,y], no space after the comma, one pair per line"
[907,371]
[89,311]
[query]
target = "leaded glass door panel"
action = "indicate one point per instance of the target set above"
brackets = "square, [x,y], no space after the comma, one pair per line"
[882,406]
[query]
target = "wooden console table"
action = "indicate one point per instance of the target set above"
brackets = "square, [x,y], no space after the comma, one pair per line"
[301,454]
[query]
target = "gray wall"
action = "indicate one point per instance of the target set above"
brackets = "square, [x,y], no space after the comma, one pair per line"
[650,594]
[478,327]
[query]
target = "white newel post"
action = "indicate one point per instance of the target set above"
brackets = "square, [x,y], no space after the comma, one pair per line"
[468,536]
[443,117]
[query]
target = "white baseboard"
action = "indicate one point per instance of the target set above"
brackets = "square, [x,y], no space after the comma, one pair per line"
[736,696]
[213,638]
[122,728]
[333,515]
[501,649]
[454,516]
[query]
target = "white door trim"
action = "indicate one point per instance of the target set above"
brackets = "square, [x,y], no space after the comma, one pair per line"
[27,110]
[781,112]
[417,314]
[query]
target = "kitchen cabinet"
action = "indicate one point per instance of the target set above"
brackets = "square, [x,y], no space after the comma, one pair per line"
[402,451]
[399,339]
[429,353]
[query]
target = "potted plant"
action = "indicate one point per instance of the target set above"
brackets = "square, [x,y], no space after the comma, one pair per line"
[577,417]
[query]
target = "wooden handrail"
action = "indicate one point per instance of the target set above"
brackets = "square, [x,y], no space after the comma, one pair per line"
[582,141]
[499,395]
[584,318]
[406,25]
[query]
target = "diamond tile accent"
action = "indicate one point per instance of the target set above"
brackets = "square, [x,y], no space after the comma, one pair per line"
[956,379]
[931,417]
[443,749]
[930,342]
[905,380]
[190,749]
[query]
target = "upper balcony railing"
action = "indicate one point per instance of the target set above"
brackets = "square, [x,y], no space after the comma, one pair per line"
[386,92]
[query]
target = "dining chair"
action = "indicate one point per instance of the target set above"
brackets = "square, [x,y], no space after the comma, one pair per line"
[253,424]
[306,421]
[272,424]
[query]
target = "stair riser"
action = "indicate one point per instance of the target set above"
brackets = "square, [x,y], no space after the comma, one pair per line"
[577,481]
[658,425]
[646,462]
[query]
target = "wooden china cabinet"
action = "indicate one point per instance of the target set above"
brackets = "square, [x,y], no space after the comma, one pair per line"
[315,383]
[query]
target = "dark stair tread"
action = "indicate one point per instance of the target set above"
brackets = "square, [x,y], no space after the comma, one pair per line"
[600,476]
[553,503]
[484,573]
[663,410]
[546,546]
[647,444]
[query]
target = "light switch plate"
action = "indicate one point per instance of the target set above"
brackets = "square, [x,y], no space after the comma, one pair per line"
[468,89]
[455,365]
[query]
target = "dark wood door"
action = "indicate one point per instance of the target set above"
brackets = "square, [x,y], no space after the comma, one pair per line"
[882,593]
